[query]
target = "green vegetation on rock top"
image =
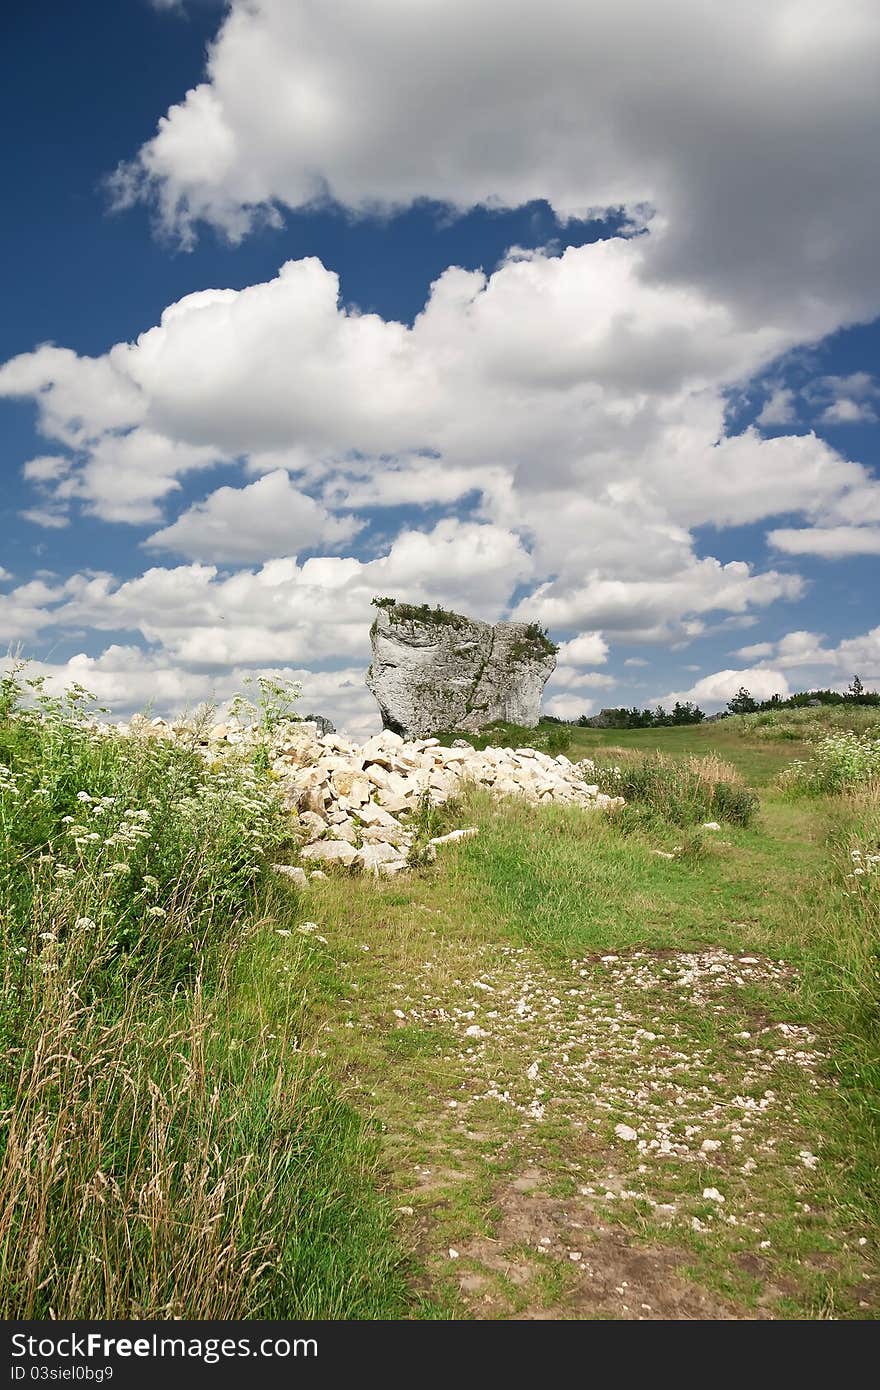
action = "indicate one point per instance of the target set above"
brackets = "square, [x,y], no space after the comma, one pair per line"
[533,644]
[534,641]
[420,613]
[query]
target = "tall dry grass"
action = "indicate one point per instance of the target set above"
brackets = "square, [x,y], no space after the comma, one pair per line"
[168,1148]
[120,1193]
[680,791]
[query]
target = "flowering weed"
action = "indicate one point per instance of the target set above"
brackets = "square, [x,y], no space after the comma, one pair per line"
[166,1148]
[840,762]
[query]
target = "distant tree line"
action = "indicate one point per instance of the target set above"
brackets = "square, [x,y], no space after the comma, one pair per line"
[744,702]
[635,718]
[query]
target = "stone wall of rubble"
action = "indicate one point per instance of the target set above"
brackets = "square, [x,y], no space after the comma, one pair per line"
[355,802]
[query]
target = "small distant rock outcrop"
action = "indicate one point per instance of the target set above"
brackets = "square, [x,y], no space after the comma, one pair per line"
[321,723]
[432,670]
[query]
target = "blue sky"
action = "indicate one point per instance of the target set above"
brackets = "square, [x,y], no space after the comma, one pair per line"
[561,333]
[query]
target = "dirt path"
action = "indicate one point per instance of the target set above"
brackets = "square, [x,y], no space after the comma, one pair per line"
[632,1134]
[631,1103]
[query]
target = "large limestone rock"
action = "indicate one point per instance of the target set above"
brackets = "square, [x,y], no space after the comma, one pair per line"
[437,670]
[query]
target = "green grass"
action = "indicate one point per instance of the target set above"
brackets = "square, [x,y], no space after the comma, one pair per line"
[214,1108]
[562,885]
[573,883]
[758,762]
[170,1145]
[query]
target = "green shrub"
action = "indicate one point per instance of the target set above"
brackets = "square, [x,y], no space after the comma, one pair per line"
[549,736]
[840,762]
[679,792]
[558,739]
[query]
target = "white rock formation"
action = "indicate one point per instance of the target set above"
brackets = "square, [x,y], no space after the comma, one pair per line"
[437,670]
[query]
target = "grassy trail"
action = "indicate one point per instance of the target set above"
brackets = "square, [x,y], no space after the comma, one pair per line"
[585,1065]
[603,1077]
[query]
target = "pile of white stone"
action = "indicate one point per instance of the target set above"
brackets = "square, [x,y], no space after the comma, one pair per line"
[354,802]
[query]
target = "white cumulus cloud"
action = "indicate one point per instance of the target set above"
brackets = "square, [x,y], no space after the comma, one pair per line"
[828,542]
[736,124]
[572,401]
[816,662]
[268,518]
[587,649]
[128,680]
[571,410]
[712,692]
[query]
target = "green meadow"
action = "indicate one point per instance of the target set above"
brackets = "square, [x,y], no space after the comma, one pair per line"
[585,1065]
